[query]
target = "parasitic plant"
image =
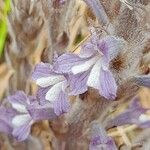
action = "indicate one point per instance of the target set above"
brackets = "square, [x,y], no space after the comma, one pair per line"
[78,92]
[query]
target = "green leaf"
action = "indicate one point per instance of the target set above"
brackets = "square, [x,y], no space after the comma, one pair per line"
[3,25]
[3,34]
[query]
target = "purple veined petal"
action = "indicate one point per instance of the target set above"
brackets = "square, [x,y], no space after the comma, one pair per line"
[65,62]
[90,48]
[33,99]
[93,80]
[143,80]
[19,98]
[41,93]
[84,66]
[65,84]
[103,47]
[16,102]
[21,133]
[94,37]
[78,83]
[50,80]
[107,86]
[87,50]
[110,46]
[42,112]
[42,70]
[6,115]
[61,105]
[53,93]
[5,127]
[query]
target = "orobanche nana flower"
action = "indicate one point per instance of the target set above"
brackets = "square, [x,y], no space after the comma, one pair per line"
[22,121]
[17,121]
[53,87]
[91,66]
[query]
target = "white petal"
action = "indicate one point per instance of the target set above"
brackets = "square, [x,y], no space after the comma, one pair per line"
[19,107]
[53,93]
[84,66]
[144,118]
[93,80]
[51,80]
[20,120]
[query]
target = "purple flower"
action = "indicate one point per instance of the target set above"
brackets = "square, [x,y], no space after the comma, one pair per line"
[91,66]
[135,114]
[26,111]
[41,112]
[22,121]
[100,140]
[78,83]
[53,87]
[6,115]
